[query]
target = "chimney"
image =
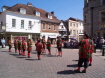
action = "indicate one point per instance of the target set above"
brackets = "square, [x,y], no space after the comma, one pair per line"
[29,4]
[52,12]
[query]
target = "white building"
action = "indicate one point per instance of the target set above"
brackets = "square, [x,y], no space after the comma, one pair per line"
[75,28]
[24,21]
[62,29]
[80,28]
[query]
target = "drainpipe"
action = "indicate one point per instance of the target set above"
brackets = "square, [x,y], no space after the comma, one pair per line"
[92,21]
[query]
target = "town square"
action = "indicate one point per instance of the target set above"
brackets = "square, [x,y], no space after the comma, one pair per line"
[52,39]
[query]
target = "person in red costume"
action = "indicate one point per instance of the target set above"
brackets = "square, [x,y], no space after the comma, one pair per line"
[59,46]
[20,46]
[9,44]
[29,47]
[23,46]
[16,45]
[39,49]
[49,46]
[44,44]
[91,51]
[84,51]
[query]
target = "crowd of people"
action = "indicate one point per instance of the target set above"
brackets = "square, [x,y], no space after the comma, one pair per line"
[99,41]
[21,46]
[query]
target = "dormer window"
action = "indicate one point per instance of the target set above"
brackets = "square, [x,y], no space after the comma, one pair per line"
[37,13]
[3,9]
[50,16]
[22,11]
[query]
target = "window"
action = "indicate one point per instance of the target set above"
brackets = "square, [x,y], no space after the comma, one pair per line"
[62,26]
[13,22]
[1,24]
[22,23]
[80,24]
[43,26]
[54,27]
[74,33]
[103,2]
[70,24]
[77,24]
[74,24]
[49,26]
[103,16]
[37,13]
[50,16]
[22,11]
[79,31]
[30,25]
[85,18]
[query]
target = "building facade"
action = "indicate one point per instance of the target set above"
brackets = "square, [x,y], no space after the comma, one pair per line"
[74,28]
[80,29]
[94,17]
[62,30]
[26,21]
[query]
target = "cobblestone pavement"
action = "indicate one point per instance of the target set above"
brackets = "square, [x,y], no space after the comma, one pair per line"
[14,66]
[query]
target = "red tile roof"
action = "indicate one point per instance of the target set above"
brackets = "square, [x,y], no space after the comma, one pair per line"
[31,11]
[6,6]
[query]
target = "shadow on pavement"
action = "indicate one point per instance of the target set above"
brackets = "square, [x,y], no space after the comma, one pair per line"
[74,60]
[22,57]
[14,54]
[4,51]
[74,65]
[31,59]
[52,56]
[43,54]
[65,72]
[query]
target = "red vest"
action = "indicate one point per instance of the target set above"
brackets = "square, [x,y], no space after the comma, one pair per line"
[39,46]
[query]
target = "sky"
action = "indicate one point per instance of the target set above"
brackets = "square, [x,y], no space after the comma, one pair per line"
[63,9]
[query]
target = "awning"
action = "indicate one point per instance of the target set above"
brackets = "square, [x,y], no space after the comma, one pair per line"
[52,36]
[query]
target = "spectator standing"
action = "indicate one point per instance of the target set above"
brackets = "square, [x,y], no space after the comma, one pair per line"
[101,42]
[3,42]
[97,41]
